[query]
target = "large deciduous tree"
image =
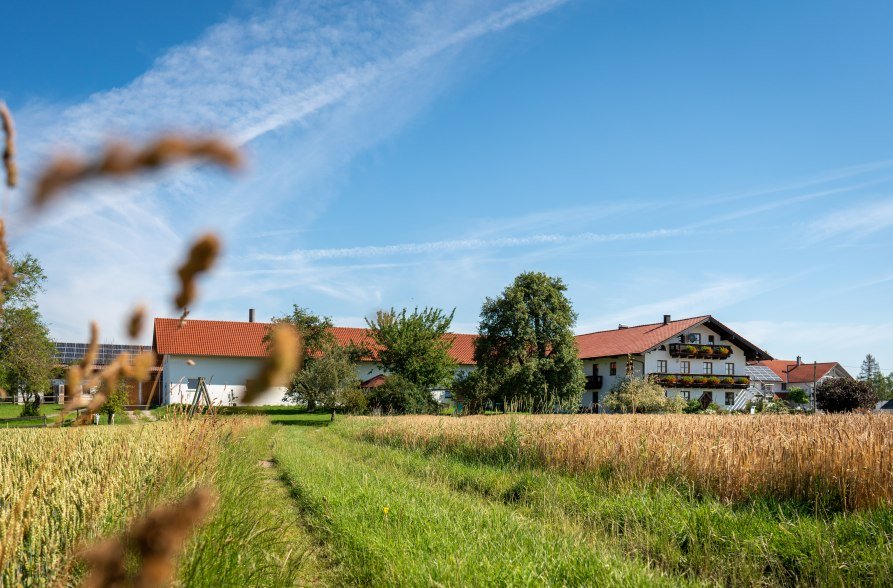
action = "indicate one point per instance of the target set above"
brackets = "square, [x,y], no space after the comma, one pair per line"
[526,344]
[413,345]
[26,350]
[844,395]
[317,336]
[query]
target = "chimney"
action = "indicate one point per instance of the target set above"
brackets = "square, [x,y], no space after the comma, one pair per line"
[799,360]
[666,319]
[250,315]
[622,326]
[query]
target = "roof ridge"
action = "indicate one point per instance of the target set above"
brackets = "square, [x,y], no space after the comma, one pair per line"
[645,325]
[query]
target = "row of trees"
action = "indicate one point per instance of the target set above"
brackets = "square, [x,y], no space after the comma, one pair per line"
[525,353]
[872,375]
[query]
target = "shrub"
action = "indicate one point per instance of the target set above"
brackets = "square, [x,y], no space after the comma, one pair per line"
[728,381]
[31,408]
[742,380]
[797,396]
[706,350]
[691,407]
[638,395]
[690,350]
[116,400]
[688,380]
[843,395]
[400,396]
[725,351]
[713,380]
[669,379]
[354,401]
[700,380]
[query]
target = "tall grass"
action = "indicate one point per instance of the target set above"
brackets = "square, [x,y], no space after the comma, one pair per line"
[835,461]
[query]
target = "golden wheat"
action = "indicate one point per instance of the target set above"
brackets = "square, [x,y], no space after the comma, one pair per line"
[807,457]
[9,145]
[61,488]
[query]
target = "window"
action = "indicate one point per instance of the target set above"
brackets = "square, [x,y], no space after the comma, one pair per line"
[686,395]
[708,367]
[766,387]
[695,338]
[685,367]
[613,370]
[662,366]
[730,398]
[730,369]
[711,339]
[192,383]
[784,386]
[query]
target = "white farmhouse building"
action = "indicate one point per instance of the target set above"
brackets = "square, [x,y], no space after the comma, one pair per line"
[695,358]
[800,374]
[228,353]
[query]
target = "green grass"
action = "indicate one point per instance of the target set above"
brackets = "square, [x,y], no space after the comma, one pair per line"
[452,520]
[385,526]
[9,410]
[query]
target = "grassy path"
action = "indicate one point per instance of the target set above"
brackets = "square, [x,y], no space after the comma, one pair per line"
[387,527]
[392,516]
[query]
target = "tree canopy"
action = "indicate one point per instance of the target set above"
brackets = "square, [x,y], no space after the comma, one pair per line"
[414,346]
[315,330]
[844,395]
[526,345]
[329,380]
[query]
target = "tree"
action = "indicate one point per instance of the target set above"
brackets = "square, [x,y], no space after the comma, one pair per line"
[26,354]
[473,390]
[115,400]
[414,346]
[870,369]
[797,395]
[29,281]
[526,345]
[398,395]
[844,395]
[643,396]
[329,380]
[315,330]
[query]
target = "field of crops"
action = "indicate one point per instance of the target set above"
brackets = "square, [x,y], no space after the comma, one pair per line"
[840,461]
[498,500]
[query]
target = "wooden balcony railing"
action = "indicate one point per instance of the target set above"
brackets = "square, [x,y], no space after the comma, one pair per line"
[702,351]
[593,382]
[700,381]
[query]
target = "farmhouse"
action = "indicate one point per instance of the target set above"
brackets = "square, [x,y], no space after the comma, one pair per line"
[696,358]
[800,374]
[228,353]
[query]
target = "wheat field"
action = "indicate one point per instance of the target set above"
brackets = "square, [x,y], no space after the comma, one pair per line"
[60,488]
[842,460]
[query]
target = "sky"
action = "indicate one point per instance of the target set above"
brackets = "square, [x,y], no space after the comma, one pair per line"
[680,158]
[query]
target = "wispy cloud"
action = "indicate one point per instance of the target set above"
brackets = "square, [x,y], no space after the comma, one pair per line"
[304,85]
[465,245]
[853,222]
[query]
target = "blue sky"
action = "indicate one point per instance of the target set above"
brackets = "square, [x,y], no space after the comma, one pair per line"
[684,158]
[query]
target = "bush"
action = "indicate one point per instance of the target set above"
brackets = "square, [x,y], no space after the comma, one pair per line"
[400,396]
[31,408]
[691,407]
[116,400]
[843,395]
[797,396]
[473,390]
[640,395]
[353,401]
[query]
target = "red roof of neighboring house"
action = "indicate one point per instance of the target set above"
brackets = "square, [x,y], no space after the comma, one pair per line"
[802,374]
[243,339]
[641,338]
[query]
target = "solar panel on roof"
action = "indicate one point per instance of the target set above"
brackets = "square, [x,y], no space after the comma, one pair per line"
[68,353]
[761,373]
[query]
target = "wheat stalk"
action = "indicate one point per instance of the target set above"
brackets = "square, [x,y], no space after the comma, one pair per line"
[9,148]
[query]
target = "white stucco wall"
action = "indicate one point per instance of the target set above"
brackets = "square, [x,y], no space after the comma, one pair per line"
[226,377]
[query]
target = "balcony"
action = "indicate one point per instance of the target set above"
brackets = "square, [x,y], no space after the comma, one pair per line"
[593,383]
[700,381]
[688,350]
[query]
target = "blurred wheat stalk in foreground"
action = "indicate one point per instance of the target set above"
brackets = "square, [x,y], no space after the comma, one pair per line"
[845,458]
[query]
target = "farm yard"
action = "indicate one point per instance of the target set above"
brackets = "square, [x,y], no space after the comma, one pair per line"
[489,500]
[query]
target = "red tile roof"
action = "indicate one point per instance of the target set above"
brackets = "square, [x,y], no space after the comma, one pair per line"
[632,340]
[802,374]
[641,338]
[243,339]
